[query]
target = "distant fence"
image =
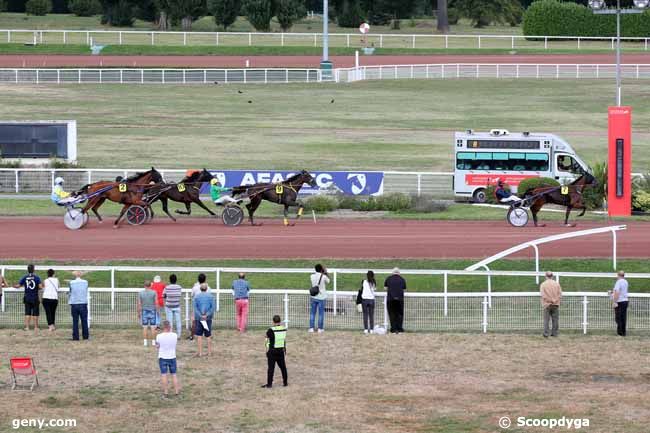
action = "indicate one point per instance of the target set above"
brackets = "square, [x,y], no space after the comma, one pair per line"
[348,40]
[437,310]
[491,70]
[41,180]
[157,76]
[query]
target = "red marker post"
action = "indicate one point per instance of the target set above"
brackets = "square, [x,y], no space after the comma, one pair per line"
[619,166]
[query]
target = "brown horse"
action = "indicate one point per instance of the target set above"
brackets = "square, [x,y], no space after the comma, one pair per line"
[127,191]
[186,191]
[569,196]
[285,193]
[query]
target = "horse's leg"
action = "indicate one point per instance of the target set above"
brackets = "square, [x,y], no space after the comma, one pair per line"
[286,214]
[252,207]
[566,216]
[100,201]
[117,221]
[199,203]
[537,205]
[165,208]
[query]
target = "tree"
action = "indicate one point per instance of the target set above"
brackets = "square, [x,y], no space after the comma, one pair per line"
[399,9]
[259,13]
[288,12]
[164,8]
[485,12]
[187,11]
[225,12]
[85,8]
[38,7]
[348,13]
[118,13]
[442,18]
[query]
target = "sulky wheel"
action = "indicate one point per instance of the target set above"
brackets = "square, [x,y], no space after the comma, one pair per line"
[136,215]
[517,216]
[232,216]
[74,219]
[149,213]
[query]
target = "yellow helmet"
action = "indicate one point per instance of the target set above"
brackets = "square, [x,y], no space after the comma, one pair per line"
[214,181]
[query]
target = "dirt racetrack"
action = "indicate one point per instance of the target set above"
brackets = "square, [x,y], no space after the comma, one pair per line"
[47,237]
[51,61]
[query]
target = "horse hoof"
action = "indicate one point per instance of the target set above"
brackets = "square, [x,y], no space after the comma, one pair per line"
[116,226]
[570,225]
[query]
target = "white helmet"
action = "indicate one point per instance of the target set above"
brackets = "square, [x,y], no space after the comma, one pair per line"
[58,181]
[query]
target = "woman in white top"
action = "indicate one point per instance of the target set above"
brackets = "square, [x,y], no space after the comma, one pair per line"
[50,298]
[368,302]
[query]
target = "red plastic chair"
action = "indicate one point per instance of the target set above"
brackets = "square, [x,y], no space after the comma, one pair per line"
[23,367]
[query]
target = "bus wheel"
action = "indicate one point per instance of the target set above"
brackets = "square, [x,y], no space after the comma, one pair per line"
[479,196]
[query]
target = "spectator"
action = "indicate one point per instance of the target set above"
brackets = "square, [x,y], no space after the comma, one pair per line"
[620,302]
[78,301]
[368,287]
[240,289]
[50,298]
[158,286]
[148,311]
[196,289]
[172,295]
[3,284]
[551,294]
[203,311]
[166,344]
[31,284]
[395,287]
[319,278]
[276,348]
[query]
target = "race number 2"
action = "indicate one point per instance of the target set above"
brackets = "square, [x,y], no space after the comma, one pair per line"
[122,187]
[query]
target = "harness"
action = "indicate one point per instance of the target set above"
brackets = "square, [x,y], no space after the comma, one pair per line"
[279,189]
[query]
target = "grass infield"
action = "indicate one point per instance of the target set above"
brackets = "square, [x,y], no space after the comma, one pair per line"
[338,382]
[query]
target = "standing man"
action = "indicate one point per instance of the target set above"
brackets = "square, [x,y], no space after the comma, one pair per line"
[148,311]
[203,312]
[620,301]
[276,348]
[319,279]
[172,295]
[78,300]
[166,344]
[158,286]
[240,289]
[395,287]
[551,295]
[31,283]
[196,289]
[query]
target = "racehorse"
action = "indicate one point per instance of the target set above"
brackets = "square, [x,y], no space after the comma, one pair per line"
[186,191]
[568,195]
[285,193]
[128,192]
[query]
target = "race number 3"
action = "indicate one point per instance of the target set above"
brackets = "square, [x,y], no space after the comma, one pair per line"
[122,187]
[564,190]
[181,187]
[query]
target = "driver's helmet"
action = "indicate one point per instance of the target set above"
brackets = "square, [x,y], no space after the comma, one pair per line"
[499,181]
[58,181]
[214,181]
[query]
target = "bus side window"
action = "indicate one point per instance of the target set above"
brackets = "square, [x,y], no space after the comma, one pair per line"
[566,163]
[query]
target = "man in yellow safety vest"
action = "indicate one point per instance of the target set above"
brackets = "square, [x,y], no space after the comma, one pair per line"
[276,348]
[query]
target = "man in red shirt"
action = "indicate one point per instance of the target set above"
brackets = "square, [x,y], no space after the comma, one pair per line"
[158,286]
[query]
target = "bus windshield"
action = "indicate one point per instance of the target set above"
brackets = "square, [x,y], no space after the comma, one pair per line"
[502,161]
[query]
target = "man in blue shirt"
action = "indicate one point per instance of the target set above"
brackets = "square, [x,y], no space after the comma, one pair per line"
[78,301]
[204,307]
[503,195]
[240,289]
[31,283]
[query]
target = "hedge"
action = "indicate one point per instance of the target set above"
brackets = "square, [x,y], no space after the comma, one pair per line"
[535,182]
[554,18]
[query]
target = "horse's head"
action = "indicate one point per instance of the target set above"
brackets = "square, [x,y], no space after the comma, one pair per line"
[307,178]
[155,176]
[204,176]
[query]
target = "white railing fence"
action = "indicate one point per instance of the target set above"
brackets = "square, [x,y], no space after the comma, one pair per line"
[440,309]
[40,180]
[158,76]
[348,40]
[491,70]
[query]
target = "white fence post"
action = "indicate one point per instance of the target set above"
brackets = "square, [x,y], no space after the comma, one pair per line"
[17,183]
[445,299]
[152,39]
[485,314]
[584,314]
[250,39]
[187,311]
[381,41]
[184,38]
[120,36]
[386,311]
[218,287]
[479,41]
[286,309]
[413,45]
[112,289]
[335,288]
[2,298]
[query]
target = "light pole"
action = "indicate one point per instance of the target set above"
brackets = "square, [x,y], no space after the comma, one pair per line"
[599,7]
[325,64]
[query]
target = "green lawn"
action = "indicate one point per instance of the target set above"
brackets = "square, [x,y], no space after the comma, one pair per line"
[416,283]
[206,24]
[388,125]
